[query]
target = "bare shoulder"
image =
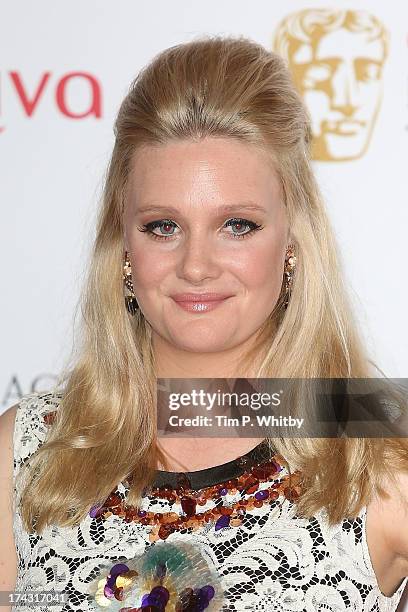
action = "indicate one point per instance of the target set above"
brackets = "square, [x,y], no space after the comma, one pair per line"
[387,535]
[393,513]
[8,555]
[7,420]
[396,528]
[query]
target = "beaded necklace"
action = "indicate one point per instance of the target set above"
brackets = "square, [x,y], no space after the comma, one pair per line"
[249,472]
[246,485]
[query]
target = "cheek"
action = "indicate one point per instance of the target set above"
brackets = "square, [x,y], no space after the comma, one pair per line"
[261,268]
[149,266]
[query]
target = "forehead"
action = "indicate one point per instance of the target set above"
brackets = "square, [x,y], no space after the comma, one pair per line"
[212,168]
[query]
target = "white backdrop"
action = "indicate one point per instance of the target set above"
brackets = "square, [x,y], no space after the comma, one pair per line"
[53,163]
[65,68]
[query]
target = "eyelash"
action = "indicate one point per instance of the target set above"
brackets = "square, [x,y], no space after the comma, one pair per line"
[148,227]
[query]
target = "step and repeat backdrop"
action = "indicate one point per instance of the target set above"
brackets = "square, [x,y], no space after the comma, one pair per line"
[64,69]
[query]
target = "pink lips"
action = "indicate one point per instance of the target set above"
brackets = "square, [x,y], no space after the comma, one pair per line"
[199,302]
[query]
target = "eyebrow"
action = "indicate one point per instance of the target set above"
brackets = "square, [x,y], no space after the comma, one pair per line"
[250,206]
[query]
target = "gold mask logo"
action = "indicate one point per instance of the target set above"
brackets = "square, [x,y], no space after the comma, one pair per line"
[336,58]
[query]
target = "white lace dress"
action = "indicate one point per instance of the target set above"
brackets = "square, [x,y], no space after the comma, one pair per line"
[273,561]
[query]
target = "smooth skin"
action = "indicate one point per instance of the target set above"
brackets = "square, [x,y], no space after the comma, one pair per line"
[8,555]
[198,180]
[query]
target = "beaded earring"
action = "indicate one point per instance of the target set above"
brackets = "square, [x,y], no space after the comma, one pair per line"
[290,264]
[130,300]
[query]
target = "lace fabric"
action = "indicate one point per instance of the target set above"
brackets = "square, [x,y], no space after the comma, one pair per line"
[274,561]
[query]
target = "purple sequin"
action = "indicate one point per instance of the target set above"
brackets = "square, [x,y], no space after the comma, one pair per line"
[159,596]
[118,568]
[260,495]
[95,511]
[222,522]
[108,592]
[208,589]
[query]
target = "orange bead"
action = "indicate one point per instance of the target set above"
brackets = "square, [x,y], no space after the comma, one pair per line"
[169,518]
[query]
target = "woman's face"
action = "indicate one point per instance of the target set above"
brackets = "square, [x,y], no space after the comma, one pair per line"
[200,203]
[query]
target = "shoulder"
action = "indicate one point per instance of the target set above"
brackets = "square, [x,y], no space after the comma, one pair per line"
[396,509]
[23,428]
[7,422]
[8,557]
[392,517]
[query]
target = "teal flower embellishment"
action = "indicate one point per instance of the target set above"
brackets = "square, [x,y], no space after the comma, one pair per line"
[167,577]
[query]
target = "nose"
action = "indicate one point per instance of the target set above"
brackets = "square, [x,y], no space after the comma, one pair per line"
[345,89]
[198,260]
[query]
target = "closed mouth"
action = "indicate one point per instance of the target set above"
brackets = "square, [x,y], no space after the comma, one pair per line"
[204,297]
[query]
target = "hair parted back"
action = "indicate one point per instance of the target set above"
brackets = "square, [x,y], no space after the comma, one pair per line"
[228,87]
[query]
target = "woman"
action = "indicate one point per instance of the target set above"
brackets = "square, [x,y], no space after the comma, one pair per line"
[209,190]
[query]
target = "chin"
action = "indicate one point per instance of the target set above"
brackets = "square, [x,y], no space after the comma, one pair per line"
[201,346]
[194,342]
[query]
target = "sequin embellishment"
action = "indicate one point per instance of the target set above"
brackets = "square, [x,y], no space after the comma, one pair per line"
[156,582]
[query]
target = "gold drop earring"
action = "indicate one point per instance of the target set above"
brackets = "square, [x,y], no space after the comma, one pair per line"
[130,300]
[290,264]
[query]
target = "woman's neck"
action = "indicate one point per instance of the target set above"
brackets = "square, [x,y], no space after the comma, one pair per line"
[191,454]
[196,453]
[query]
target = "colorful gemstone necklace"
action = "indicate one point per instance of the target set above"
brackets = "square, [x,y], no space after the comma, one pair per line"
[246,485]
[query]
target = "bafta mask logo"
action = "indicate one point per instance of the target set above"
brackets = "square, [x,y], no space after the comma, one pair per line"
[336,58]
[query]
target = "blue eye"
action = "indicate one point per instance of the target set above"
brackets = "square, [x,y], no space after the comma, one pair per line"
[163,223]
[243,222]
[167,223]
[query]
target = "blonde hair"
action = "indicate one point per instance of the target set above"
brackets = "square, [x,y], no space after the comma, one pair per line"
[104,430]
